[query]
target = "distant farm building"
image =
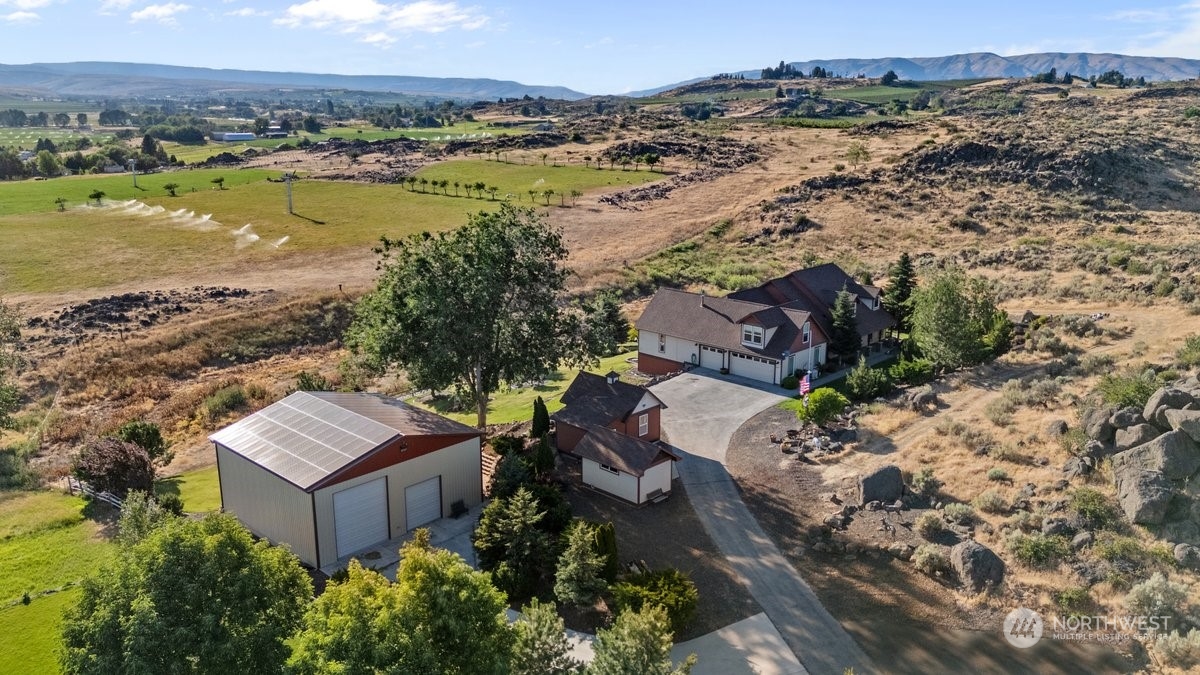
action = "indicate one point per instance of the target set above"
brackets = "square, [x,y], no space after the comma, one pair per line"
[233,136]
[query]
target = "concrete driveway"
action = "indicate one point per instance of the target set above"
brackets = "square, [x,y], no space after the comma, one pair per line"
[703,411]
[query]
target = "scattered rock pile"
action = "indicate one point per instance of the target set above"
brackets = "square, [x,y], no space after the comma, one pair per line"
[1155,458]
[124,313]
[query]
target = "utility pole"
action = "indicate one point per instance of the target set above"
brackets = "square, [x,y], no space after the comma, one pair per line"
[287,178]
[133,168]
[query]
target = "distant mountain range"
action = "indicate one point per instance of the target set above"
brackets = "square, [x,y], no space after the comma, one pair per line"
[987,65]
[100,78]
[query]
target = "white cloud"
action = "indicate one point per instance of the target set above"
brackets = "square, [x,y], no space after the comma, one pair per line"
[24,5]
[247,12]
[378,39]
[20,17]
[164,14]
[1139,16]
[1180,38]
[113,6]
[378,21]
[602,42]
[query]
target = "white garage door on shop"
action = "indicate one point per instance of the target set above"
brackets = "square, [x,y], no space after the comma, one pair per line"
[423,502]
[710,358]
[360,516]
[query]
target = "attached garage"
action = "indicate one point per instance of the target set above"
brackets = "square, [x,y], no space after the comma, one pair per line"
[333,474]
[711,357]
[754,367]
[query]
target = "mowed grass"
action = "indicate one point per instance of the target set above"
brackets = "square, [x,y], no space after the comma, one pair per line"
[519,179]
[46,543]
[88,247]
[516,404]
[200,490]
[32,633]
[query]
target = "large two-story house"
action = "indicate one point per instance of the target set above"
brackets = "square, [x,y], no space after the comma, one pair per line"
[764,333]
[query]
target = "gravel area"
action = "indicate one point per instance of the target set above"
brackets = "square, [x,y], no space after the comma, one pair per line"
[668,535]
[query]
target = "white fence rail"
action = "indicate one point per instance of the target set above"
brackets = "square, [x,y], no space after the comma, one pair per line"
[74,485]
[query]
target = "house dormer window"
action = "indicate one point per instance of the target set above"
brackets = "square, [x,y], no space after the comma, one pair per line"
[806,333]
[752,335]
[875,303]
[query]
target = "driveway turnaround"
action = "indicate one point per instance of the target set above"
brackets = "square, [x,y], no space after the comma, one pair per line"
[703,410]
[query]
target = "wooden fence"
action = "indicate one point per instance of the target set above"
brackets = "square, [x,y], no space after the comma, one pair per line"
[74,485]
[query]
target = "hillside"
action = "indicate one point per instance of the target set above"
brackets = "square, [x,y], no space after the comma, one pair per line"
[985,65]
[101,78]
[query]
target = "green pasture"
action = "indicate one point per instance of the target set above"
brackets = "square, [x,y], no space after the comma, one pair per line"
[27,137]
[516,404]
[87,246]
[50,107]
[461,131]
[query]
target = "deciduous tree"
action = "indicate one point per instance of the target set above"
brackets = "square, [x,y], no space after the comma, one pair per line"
[116,466]
[951,315]
[192,596]
[471,308]
[10,363]
[857,154]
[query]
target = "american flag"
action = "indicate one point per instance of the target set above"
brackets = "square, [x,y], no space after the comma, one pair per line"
[805,386]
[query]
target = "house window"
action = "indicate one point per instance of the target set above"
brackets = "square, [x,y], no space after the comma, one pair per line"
[875,304]
[610,469]
[662,343]
[752,335]
[643,424]
[806,334]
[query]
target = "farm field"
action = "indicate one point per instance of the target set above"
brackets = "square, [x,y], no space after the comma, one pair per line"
[460,131]
[49,107]
[27,137]
[95,247]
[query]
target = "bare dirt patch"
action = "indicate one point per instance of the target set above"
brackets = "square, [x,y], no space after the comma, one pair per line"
[669,535]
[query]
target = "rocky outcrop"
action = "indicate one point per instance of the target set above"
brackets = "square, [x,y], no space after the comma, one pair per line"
[1097,426]
[977,565]
[1167,398]
[1131,437]
[1150,475]
[885,484]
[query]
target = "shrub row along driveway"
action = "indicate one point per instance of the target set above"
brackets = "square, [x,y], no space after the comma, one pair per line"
[702,413]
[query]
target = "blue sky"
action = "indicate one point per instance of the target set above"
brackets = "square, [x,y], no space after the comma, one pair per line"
[603,47]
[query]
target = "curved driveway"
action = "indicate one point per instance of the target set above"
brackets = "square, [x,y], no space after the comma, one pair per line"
[703,411]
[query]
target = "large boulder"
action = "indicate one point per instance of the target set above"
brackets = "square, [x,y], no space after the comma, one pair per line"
[1167,398]
[1173,454]
[977,565]
[1096,425]
[1126,417]
[1144,496]
[1188,556]
[1055,428]
[885,484]
[1187,421]
[1131,437]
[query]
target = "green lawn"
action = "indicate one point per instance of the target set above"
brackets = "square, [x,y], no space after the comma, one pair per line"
[514,405]
[199,489]
[89,247]
[31,633]
[46,543]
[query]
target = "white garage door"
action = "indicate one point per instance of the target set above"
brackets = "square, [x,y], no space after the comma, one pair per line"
[752,367]
[360,516]
[423,502]
[710,358]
